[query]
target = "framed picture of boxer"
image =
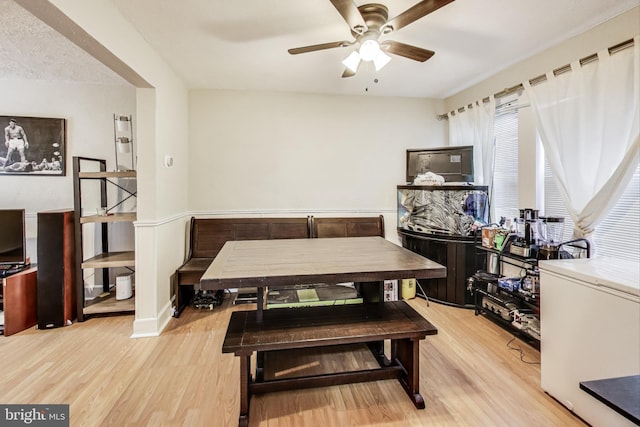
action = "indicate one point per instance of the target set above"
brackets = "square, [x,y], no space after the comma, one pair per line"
[32,146]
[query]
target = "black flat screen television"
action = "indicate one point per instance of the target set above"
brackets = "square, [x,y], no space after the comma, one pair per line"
[12,237]
[454,164]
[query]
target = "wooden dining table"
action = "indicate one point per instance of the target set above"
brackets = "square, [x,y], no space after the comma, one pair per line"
[367,261]
[287,262]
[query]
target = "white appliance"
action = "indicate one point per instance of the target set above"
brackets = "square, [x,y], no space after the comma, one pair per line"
[590,330]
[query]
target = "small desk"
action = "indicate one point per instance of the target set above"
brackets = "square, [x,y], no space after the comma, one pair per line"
[263,263]
[621,394]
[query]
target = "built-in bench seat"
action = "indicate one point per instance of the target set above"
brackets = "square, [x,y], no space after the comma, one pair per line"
[347,227]
[286,329]
[207,236]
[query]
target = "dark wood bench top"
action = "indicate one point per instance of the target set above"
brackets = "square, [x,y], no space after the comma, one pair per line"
[321,326]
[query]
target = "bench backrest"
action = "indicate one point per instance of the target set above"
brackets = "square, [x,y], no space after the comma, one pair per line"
[208,235]
[347,227]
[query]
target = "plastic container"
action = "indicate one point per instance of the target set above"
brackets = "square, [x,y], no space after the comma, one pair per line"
[124,289]
[408,288]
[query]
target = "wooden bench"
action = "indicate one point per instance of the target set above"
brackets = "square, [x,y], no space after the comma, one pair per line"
[208,235]
[285,329]
[347,227]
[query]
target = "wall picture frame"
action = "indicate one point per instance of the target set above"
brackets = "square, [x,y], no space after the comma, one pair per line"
[33,146]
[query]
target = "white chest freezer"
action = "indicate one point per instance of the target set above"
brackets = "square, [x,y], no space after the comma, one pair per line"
[590,330]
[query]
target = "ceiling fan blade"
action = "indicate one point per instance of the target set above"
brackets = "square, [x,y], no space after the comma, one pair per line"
[348,73]
[408,51]
[349,12]
[322,46]
[416,12]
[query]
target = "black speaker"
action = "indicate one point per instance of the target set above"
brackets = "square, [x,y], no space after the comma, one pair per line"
[56,296]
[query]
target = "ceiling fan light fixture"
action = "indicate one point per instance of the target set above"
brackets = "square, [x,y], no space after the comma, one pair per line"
[381,60]
[352,61]
[369,50]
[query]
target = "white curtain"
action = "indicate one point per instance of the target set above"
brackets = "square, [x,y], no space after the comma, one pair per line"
[588,121]
[474,126]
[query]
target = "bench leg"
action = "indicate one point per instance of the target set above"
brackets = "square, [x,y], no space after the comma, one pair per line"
[407,353]
[259,366]
[184,296]
[377,348]
[259,354]
[245,377]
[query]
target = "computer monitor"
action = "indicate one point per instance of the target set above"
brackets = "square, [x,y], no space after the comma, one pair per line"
[454,164]
[12,237]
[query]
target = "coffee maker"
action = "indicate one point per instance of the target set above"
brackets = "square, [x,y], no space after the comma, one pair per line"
[551,235]
[525,243]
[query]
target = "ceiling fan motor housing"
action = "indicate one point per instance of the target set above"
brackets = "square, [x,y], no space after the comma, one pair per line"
[375,16]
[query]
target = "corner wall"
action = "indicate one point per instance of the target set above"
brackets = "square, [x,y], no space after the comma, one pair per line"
[609,33]
[618,29]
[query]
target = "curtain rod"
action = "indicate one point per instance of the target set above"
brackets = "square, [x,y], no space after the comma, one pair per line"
[541,78]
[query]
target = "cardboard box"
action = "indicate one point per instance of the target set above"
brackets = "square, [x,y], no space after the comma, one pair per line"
[488,235]
[391,290]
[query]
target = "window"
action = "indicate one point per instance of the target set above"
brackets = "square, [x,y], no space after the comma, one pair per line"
[505,176]
[618,234]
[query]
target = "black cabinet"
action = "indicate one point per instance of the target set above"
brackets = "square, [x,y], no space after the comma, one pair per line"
[457,253]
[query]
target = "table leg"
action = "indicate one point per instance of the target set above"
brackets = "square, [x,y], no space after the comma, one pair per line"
[259,303]
[259,354]
[245,377]
[407,353]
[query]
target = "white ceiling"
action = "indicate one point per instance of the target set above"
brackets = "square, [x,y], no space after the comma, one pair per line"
[29,49]
[242,45]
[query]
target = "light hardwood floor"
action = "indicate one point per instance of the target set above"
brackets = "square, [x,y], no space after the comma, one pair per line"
[468,377]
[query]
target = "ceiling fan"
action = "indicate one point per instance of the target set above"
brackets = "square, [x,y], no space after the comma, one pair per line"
[370,21]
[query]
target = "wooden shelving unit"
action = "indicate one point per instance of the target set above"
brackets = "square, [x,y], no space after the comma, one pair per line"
[106,302]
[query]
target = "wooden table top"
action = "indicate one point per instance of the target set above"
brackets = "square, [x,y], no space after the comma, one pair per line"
[278,262]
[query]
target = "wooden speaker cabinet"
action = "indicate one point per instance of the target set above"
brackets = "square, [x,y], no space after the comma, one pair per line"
[56,299]
[19,301]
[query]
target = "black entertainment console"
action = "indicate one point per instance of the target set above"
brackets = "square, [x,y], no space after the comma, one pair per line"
[6,271]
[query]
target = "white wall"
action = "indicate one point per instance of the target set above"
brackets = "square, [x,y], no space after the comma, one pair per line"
[88,110]
[288,154]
